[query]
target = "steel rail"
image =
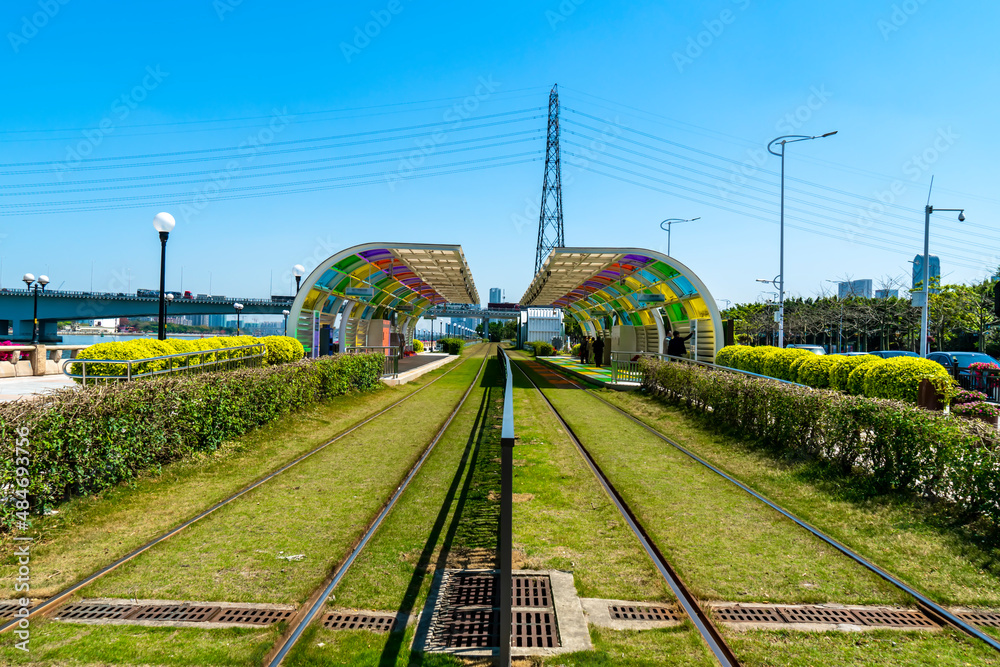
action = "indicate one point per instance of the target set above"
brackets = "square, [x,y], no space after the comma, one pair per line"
[56,600]
[280,650]
[932,609]
[688,601]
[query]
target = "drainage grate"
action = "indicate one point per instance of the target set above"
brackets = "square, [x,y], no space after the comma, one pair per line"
[748,614]
[642,613]
[341,621]
[253,616]
[471,628]
[8,608]
[531,592]
[818,615]
[89,611]
[534,629]
[175,613]
[472,590]
[894,618]
[981,618]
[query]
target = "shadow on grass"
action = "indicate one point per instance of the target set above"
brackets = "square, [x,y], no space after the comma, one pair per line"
[471,458]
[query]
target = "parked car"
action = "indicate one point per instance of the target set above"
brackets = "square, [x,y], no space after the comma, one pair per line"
[957,363]
[888,354]
[852,354]
[815,349]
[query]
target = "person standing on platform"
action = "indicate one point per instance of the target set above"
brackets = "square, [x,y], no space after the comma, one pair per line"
[584,350]
[676,347]
[599,351]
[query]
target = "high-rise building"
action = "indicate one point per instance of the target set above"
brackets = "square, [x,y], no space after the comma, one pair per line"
[886,293]
[497,295]
[217,321]
[860,288]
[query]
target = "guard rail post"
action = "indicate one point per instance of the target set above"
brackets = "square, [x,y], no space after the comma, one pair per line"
[505,541]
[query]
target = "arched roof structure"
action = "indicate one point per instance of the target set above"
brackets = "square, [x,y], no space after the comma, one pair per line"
[381,281]
[634,286]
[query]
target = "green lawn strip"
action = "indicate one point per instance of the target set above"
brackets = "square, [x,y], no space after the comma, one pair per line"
[54,643]
[318,508]
[680,646]
[786,648]
[90,532]
[901,535]
[394,571]
[563,520]
[724,544]
[320,647]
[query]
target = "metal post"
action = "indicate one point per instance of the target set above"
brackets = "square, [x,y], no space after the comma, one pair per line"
[34,329]
[926,280]
[505,541]
[162,329]
[781,260]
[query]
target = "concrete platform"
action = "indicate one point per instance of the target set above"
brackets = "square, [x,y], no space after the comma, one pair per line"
[12,389]
[598,375]
[410,368]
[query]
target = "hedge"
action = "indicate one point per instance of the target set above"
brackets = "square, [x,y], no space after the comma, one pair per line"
[418,346]
[895,445]
[541,348]
[896,378]
[280,350]
[452,345]
[81,442]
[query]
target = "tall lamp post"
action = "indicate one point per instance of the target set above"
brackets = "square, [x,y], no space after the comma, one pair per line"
[239,309]
[169,299]
[298,271]
[781,141]
[925,283]
[285,328]
[674,221]
[39,284]
[163,223]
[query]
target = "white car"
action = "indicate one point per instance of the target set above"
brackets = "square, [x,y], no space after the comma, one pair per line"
[815,349]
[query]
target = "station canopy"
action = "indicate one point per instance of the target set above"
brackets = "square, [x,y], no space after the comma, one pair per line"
[590,284]
[406,278]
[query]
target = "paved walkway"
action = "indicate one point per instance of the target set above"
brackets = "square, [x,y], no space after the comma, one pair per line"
[12,389]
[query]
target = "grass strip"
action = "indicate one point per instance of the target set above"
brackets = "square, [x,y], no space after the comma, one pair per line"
[79,645]
[786,648]
[900,534]
[723,543]
[316,509]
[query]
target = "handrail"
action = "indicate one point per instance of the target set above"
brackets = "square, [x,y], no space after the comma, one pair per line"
[505,540]
[390,368]
[257,357]
[668,357]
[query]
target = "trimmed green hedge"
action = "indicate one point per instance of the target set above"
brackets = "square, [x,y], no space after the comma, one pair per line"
[894,444]
[452,345]
[418,346]
[84,441]
[541,348]
[280,350]
[897,378]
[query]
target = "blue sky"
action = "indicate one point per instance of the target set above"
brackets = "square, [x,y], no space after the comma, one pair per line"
[679,97]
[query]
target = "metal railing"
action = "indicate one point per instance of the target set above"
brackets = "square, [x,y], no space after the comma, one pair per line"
[505,539]
[390,367]
[221,358]
[984,380]
[625,365]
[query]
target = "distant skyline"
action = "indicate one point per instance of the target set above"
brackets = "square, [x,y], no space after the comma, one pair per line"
[279,135]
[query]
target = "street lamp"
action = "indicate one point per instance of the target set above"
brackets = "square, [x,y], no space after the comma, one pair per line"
[285,328]
[928,209]
[298,271]
[673,221]
[239,309]
[781,141]
[39,284]
[163,223]
[169,299]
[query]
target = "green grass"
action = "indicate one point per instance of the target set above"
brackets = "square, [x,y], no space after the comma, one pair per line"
[90,532]
[724,544]
[784,648]
[906,537]
[319,508]
[358,648]
[564,520]
[632,648]
[54,643]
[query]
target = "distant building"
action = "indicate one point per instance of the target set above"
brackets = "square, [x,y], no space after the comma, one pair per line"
[859,288]
[497,295]
[217,321]
[886,293]
[541,324]
[918,272]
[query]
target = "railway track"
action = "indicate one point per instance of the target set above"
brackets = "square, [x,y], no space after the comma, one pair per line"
[52,603]
[929,607]
[703,624]
[315,602]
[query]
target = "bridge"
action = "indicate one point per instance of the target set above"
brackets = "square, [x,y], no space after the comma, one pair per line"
[16,307]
